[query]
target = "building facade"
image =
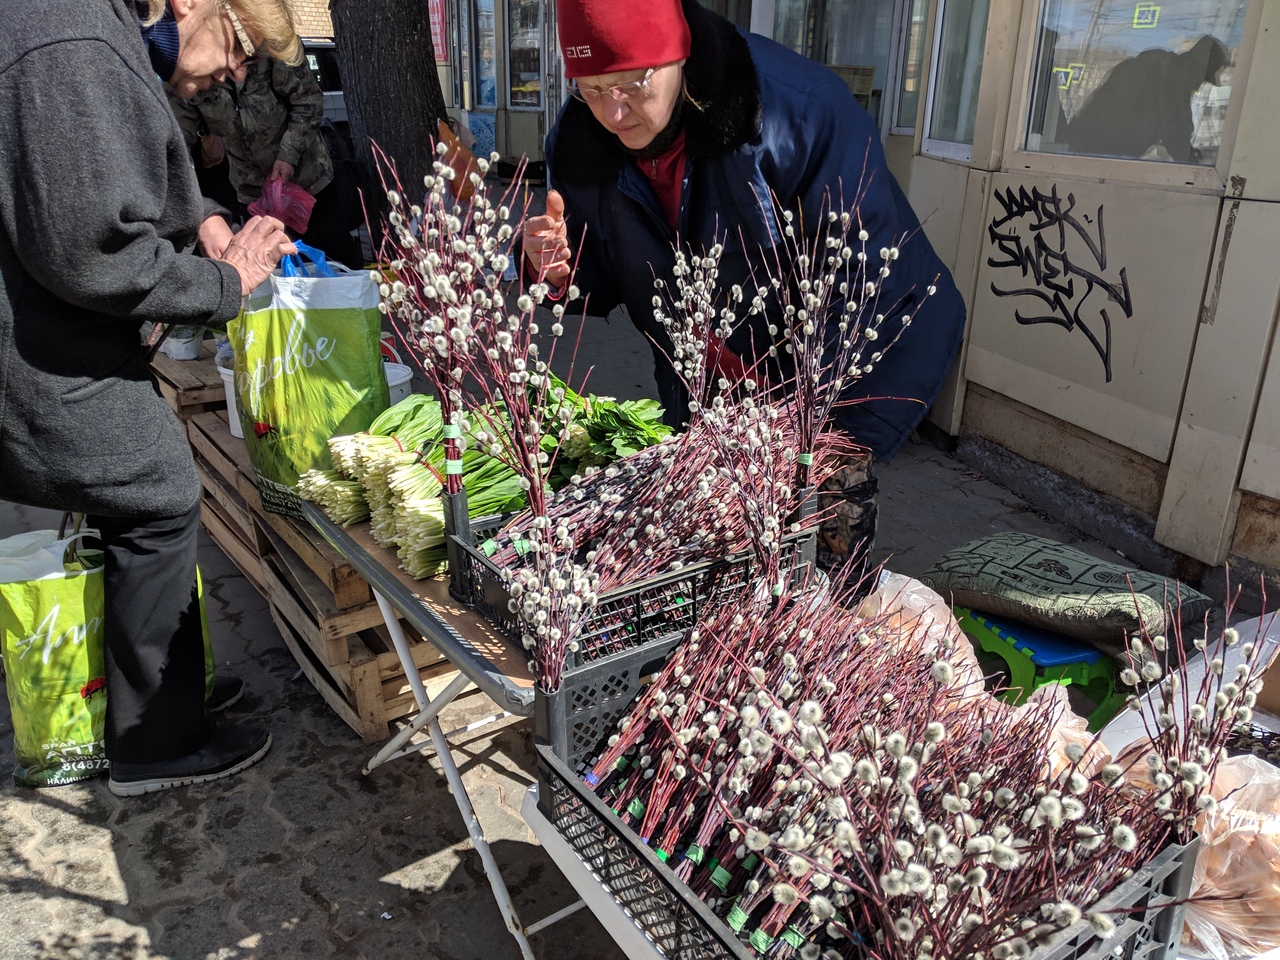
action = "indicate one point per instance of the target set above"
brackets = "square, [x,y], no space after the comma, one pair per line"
[1098,174]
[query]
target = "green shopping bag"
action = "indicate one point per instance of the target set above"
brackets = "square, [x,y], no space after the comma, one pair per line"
[51,637]
[308,365]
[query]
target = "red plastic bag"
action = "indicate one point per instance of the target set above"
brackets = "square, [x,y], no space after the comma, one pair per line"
[287,202]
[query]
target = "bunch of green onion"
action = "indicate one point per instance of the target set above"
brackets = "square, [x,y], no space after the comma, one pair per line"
[343,500]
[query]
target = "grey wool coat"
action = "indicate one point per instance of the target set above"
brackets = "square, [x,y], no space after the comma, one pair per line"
[98,199]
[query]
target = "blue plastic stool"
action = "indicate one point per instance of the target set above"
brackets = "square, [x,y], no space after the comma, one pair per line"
[1036,657]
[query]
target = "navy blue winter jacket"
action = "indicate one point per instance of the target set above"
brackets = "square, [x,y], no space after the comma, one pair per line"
[771,121]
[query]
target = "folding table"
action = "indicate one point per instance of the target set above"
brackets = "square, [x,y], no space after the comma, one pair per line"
[481,655]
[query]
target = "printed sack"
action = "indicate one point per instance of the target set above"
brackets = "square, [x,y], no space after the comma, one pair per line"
[51,636]
[308,365]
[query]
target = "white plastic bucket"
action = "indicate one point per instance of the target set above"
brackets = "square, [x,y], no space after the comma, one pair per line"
[398,377]
[233,413]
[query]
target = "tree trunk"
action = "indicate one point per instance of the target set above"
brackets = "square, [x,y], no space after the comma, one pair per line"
[392,89]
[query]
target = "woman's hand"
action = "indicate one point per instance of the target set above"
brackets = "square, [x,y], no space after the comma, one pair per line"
[546,242]
[214,236]
[256,250]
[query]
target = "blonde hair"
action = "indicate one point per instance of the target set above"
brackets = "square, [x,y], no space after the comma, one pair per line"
[269,22]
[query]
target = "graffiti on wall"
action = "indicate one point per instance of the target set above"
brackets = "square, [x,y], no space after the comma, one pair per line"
[1059,255]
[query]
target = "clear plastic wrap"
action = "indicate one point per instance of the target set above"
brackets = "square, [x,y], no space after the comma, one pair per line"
[925,621]
[1235,895]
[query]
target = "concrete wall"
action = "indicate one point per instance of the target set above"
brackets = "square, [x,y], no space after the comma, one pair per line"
[1121,313]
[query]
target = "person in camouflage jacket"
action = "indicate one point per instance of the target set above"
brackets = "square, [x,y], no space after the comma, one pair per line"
[270,126]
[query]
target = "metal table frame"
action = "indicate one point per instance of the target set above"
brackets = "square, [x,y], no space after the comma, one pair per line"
[396,600]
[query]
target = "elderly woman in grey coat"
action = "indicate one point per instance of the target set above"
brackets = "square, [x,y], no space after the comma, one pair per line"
[98,212]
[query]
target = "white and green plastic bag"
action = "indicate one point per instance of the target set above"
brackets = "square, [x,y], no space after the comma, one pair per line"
[51,634]
[308,365]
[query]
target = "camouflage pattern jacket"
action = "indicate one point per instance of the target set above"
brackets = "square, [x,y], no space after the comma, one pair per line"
[274,115]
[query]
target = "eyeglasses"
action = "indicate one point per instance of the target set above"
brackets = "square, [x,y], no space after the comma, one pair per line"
[242,35]
[622,91]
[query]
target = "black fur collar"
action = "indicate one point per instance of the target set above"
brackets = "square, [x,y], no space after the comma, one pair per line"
[721,77]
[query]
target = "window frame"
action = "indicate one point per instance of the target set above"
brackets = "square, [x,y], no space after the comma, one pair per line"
[929,146]
[898,66]
[1192,178]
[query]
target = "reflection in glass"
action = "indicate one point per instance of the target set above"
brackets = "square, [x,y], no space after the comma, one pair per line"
[1135,81]
[486,56]
[524,58]
[959,70]
[737,12]
[912,59]
[792,25]
[852,37]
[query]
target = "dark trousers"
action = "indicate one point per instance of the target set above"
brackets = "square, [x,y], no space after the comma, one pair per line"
[849,502]
[154,641]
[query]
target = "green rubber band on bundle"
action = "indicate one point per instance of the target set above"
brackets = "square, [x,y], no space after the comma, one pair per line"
[453,468]
[695,853]
[751,862]
[663,855]
[522,547]
[489,547]
[737,918]
[793,936]
[636,807]
[760,941]
[452,431]
[804,459]
[720,878]
[622,764]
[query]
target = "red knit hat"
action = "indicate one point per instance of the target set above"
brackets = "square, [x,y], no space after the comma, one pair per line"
[609,36]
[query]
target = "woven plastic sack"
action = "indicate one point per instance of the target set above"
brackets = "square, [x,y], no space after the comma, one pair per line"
[51,636]
[1052,585]
[308,365]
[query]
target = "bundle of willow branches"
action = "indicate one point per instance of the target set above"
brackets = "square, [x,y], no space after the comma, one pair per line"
[831,789]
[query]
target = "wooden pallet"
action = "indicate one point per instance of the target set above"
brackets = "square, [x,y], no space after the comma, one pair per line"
[191,387]
[370,692]
[226,456]
[325,611]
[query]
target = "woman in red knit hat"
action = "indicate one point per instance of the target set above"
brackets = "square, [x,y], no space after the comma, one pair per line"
[678,125]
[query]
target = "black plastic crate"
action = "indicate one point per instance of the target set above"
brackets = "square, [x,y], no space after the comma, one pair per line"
[680,925]
[639,613]
[1146,907]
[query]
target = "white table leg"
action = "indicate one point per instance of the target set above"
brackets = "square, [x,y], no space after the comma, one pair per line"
[428,716]
[460,797]
[391,749]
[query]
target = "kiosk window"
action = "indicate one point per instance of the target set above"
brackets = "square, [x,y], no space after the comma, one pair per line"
[1134,80]
[958,69]
[524,54]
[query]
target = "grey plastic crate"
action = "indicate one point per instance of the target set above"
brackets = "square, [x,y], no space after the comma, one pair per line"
[1147,907]
[627,638]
